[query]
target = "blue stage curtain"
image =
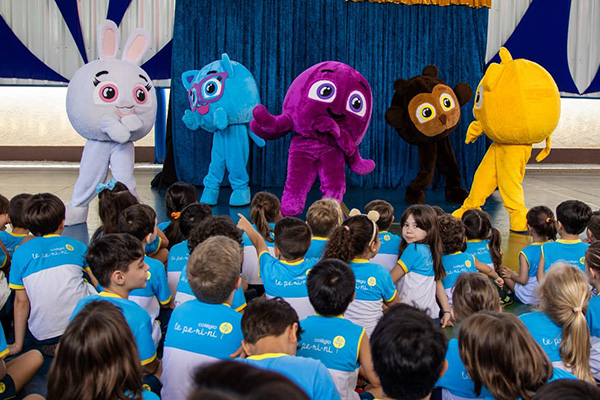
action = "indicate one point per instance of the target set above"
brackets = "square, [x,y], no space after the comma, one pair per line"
[278,39]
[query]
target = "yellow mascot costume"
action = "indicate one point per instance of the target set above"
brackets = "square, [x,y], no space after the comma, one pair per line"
[517,104]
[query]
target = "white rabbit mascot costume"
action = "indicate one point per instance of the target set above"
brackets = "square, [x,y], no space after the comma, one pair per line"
[111,103]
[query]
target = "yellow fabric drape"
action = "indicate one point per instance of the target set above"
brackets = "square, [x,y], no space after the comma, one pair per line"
[469,3]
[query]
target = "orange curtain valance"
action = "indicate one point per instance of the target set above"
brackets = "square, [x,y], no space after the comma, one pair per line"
[469,3]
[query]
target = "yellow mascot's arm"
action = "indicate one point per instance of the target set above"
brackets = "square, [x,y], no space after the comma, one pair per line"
[544,153]
[475,130]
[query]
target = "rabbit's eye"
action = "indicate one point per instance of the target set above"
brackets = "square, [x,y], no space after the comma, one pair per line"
[140,95]
[108,92]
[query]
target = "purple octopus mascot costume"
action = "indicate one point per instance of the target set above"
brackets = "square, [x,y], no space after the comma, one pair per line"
[328,107]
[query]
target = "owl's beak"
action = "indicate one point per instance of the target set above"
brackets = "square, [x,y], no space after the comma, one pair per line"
[442,119]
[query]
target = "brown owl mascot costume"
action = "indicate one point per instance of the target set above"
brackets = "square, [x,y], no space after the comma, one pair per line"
[424,111]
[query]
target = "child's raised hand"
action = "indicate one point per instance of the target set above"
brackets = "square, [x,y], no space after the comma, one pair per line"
[243,223]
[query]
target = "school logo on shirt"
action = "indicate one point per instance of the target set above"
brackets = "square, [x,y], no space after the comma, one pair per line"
[387,238]
[148,275]
[2,387]
[468,264]
[371,282]
[339,342]
[70,247]
[225,328]
[582,260]
[146,387]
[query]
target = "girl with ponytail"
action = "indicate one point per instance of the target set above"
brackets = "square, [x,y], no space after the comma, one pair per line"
[178,196]
[483,240]
[355,242]
[560,326]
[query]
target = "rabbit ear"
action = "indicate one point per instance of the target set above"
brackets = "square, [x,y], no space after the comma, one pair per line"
[137,45]
[108,39]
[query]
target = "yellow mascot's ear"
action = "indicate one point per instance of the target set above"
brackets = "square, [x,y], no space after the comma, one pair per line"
[544,153]
[505,55]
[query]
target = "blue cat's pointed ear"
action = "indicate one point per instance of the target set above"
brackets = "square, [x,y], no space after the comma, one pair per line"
[227,65]
[188,78]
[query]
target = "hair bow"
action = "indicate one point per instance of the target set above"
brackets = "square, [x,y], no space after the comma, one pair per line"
[110,185]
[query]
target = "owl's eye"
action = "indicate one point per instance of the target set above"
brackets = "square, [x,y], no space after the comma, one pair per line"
[425,112]
[479,97]
[447,102]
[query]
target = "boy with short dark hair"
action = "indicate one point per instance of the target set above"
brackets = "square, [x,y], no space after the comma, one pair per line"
[323,216]
[285,274]
[46,273]
[271,334]
[19,232]
[409,353]
[204,330]
[339,344]
[209,227]
[117,262]
[3,212]
[140,221]
[387,256]
[572,217]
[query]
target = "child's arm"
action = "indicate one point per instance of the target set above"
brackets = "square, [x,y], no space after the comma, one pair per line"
[257,240]
[398,271]
[440,293]
[489,271]
[6,266]
[21,311]
[540,271]
[164,242]
[366,361]
[523,276]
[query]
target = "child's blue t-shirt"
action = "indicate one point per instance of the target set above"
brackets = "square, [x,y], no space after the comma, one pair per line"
[311,375]
[287,280]
[11,241]
[163,225]
[480,249]
[50,269]
[570,252]
[418,282]
[3,345]
[593,316]
[250,262]
[3,258]
[532,255]
[374,285]
[557,374]
[137,318]
[456,264]
[387,256]
[198,334]
[545,332]
[153,247]
[178,258]
[317,247]
[456,379]
[185,293]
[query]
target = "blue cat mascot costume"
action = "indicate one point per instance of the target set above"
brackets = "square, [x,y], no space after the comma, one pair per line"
[222,96]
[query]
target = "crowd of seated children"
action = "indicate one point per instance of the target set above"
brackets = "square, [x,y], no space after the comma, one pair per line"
[322,217]
[178,196]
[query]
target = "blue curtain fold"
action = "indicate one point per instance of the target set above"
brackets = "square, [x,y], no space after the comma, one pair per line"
[278,39]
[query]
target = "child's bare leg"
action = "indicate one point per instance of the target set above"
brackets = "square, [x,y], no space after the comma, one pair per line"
[34,397]
[24,367]
[509,283]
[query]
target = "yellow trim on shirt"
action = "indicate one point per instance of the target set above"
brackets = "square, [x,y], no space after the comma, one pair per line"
[568,241]
[475,240]
[320,238]
[455,253]
[51,235]
[158,247]
[267,355]
[292,263]
[6,256]
[526,259]
[392,298]
[16,287]
[18,234]
[332,316]
[240,308]
[258,266]
[149,360]
[166,301]
[359,342]
[404,267]
[538,243]
[4,353]
[108,294]
[360,261]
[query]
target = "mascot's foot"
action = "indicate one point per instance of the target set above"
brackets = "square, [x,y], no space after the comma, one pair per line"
[75,215]
[240,197]
[456,194]
[414,196]
[210,196]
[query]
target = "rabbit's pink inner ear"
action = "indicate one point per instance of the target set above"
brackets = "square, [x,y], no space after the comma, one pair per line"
[136,49]
[109,44]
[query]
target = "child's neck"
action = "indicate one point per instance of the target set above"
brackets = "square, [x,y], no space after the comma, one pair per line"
[20,231]
[273,344]
[282,258]
[366,255]
[568,236]
[537,238]
[118,290]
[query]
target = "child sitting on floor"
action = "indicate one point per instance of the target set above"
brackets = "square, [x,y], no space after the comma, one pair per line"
[323,216]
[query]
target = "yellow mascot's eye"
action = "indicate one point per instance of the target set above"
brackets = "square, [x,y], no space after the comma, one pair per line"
[425,112]
[446,102]
[479,97]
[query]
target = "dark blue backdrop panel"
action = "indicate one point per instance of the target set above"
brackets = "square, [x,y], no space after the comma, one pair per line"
[278,39]
[116,10]
[70,13]
[541,36]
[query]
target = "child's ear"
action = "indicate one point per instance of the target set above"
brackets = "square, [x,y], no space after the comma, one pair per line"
[247,348]
[276,251]
[238,283]
[9,222]
[588,232]
[148,238]
[117,277]
[559,225]
[444,368]
[293,338]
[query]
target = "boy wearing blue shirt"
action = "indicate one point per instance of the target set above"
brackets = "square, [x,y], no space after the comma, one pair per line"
[46,274]
[409,351]
[19,232]
[323,216]
[339,344]
[572,217]
[285,274]
[271,335]
[140,221]
[117,262]
[387,256]
[204,330]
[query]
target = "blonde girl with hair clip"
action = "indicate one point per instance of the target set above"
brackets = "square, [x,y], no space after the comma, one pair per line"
[356,242]
[592,269]
[560,326]
[420,264]
[265,211]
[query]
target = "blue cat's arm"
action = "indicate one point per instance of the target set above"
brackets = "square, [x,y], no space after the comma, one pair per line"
[191,119]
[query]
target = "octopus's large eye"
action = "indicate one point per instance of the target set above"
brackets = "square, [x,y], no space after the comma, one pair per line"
[140,95]
[479,97]
[447,102]
[211,88]
[357,103]
[106,92]
[322,91]
[425,112]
